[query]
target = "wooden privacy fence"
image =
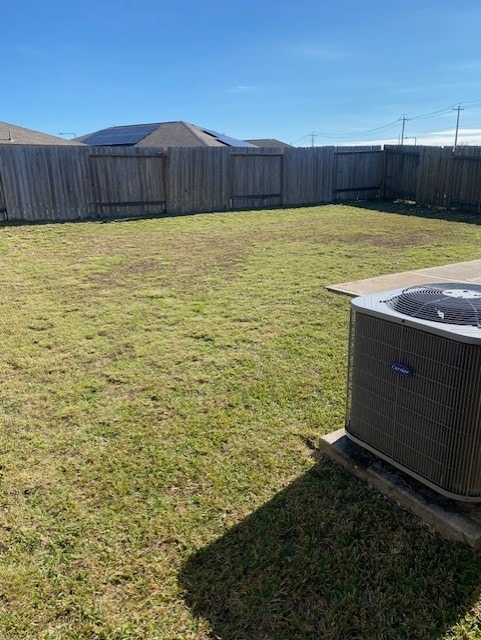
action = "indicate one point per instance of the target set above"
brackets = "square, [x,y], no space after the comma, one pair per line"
[216,179]
[434,176]
[70,183]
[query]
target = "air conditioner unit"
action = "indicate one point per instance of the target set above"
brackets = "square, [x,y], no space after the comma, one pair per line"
[414,383]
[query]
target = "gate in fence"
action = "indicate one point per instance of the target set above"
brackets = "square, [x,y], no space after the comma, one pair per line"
[256,180]
[131,184]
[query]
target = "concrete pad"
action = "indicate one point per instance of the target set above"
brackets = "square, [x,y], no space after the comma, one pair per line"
[381,283]
[458,272]
[454,520]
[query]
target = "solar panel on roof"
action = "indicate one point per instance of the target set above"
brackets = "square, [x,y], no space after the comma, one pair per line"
[128,135]
[230,142]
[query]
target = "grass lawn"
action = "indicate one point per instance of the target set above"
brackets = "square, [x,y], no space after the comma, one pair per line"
[163,384]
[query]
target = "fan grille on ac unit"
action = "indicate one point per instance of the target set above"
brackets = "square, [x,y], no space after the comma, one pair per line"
[445,302]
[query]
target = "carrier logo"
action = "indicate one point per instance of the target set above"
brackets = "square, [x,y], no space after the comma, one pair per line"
[401,369]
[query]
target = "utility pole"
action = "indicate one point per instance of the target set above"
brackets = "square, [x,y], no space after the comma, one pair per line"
[458,109]
[403,118]
[313,135]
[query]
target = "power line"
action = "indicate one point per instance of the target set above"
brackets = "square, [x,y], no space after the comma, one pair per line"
[478,101]
[424,116]
[473,104]
[301,139]
[365,132]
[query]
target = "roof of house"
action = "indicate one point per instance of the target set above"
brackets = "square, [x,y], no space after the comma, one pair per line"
[13,134]
[272,143]
[161,134]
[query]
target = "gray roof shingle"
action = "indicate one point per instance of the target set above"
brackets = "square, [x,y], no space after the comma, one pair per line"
[13,134]
[165,134]
[271,143]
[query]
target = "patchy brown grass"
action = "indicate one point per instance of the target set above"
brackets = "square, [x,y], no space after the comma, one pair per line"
[163,382]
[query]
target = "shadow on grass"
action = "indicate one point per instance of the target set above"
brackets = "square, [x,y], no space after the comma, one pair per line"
[134,217]
[386,206]
[106,219]
[325,559]
[420,211]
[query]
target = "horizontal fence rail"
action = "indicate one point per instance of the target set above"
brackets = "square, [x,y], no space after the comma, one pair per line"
[72,183]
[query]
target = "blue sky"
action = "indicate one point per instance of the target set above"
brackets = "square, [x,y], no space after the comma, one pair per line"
[251,69]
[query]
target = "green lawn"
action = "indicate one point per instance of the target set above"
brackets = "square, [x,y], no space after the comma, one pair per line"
[163,385]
